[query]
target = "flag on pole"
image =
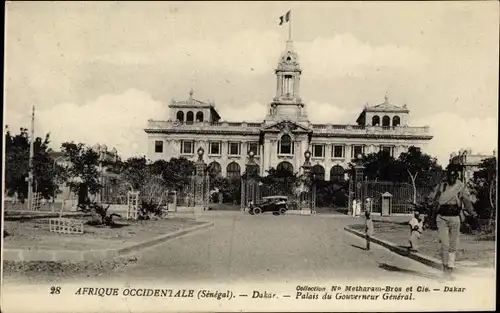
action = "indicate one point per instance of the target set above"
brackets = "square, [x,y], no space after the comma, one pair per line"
[285,18]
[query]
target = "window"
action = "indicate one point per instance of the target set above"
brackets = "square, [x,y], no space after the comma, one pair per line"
[254,146]
[180,116]
[285,145]
[386,121]
[159,146]
[318,151]
[338,152]
[356,150]
[215,148]
[387,149]
[234,148]
[187,147]
[189,117]
[396,121]
[199,116]
[376,120]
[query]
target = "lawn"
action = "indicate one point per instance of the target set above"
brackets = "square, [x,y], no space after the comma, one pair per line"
[34,234]
[475,248]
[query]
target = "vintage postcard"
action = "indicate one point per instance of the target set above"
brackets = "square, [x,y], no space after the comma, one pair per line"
[250,156]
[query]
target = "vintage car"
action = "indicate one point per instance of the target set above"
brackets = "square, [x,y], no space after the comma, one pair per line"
[278,205]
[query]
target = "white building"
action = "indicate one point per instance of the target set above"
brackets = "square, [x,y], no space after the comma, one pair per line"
[469,160]
[284,135]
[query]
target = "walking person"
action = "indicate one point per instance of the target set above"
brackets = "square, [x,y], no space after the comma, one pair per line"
[354,203]
[416,229]
[451,196]
[369,230]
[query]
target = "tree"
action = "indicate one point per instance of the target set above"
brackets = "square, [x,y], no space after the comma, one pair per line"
[135,171]
[281,180]
[17,150]
[483,186]
[177,172]
[420,168]
[412,166]
[380,166]
[82,171]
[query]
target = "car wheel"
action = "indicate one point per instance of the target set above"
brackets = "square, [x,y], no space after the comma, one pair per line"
[276,213]
[250,211]
[282,211]
[257,211]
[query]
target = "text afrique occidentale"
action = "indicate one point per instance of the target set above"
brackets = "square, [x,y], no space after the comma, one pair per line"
[150,292]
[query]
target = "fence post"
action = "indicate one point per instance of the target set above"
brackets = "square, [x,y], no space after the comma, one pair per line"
[249,183]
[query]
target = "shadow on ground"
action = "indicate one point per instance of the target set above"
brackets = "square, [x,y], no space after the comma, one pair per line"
[359,247]
[392,268]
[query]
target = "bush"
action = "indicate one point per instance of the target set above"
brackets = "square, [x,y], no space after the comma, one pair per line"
[99,210]
[149,209]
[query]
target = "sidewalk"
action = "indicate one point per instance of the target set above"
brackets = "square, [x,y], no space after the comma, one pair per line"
[475,254]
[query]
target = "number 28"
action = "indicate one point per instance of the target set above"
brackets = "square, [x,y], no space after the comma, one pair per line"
[55,290]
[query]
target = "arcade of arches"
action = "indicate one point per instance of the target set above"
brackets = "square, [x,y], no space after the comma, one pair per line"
[190,117]
[337,172]
[386,121]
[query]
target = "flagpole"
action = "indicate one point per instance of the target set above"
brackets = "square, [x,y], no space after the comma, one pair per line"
[290,27]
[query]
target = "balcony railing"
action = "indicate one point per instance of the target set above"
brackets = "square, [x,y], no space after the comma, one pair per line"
[317,128]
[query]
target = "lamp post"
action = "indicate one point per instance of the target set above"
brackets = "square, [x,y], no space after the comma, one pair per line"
[199,179]
[251,184]
[307,180]
[358,180]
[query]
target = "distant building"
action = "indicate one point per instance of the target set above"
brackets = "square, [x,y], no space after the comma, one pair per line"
[60,158]
[469,161]
[285,133]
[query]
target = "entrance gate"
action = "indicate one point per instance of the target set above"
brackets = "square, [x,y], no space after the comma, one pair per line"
[196,193]
[300,196]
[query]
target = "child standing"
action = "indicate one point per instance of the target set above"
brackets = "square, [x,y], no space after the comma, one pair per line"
[368,228]
[416,228]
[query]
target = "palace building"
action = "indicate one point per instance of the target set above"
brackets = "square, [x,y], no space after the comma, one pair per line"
[284,135]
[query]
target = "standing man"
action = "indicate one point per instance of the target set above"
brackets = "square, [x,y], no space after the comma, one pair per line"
[416,229]
[451,196]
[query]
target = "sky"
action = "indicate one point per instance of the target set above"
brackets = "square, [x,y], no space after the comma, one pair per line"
[97,71]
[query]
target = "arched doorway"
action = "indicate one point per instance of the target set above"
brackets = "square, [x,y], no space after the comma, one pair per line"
[337,173]
[215,169]
[233,170]
[318,172]
[285,166]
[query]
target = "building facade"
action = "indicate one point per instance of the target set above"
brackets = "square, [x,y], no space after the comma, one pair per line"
[470,161]
[285,133]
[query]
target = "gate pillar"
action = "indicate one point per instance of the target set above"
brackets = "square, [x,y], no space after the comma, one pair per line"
[358,182]
[200,181]
[251,185]
[310,201]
